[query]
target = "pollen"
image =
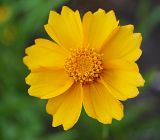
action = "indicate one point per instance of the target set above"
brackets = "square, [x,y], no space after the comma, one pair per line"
[84,65]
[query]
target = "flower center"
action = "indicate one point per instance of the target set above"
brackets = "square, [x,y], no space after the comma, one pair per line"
[84,65]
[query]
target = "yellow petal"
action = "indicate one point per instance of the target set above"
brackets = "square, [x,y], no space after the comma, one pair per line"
[88,103]
[66,108]
[97,27]
[126,72]
[121,91]
[122,78]
[117,94]
[124,44]
[44,54]
[48,84]
[65,29]
[120,65]
[100,104]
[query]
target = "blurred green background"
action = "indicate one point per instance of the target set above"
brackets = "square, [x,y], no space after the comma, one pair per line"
[24,117]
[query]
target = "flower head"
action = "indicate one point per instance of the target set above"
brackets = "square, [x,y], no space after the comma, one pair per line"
[91,63]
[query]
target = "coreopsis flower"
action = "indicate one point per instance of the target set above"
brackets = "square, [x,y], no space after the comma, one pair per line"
[90,63]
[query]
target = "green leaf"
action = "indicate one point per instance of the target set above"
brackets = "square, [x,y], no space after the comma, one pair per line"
[68,135]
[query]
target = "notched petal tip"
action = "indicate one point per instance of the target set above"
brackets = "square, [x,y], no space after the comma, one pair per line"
[129,27]
[25,60]
[121,113]
[45,43]
[111,12]
[52,15]
[100,10]
[142,82]
[138,35]
[87,15]
[138,38]
[66,127]
[66,9]
[55,123]
[27,50]
[27,79]
[49,31]
[38,40]
[31,94]
[45,27]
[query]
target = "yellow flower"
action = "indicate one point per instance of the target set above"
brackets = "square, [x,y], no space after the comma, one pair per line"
[91,63]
